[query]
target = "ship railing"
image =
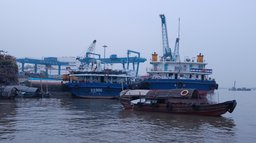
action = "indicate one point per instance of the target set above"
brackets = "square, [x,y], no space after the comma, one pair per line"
[153,69]
[201,70]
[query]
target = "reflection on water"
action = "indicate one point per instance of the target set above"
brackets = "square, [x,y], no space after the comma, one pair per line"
[183,128]
[7,123]
[81,120]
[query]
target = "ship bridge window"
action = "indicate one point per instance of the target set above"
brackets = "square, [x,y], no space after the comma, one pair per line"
[176,76]
[121,80]
[102,79]
[106,79]
[95,79]
[201,66]
[80,79]
[203,77]
[88,79]
[109,79]
[114,79]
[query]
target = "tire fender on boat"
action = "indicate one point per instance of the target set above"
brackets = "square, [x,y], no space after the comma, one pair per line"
[184,92]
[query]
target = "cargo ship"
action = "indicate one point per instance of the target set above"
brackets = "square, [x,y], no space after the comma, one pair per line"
[189,74]
[98,78]
[169,72]
[105,84]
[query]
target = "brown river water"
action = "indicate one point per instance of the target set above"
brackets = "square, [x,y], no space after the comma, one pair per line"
[66,120]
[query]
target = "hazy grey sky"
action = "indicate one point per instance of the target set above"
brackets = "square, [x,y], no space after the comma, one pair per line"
[223,30]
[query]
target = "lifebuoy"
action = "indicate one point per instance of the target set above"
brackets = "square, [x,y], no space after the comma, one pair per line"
[184,92]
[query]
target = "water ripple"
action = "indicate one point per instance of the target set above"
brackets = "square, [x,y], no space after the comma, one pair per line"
[77,120]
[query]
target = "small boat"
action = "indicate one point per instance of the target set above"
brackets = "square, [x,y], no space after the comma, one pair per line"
[28,92]
[179,101]
[8,92]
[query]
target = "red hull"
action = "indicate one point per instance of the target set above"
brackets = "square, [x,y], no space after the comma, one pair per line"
[175,104]
[207,109]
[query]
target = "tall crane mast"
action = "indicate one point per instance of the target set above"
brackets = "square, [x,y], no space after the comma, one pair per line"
[167,53]
[176,53]
[91,47]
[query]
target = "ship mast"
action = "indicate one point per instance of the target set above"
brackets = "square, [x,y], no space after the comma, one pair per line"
[176,53]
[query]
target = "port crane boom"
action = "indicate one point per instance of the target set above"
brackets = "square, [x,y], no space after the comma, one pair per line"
[167,53]
[91,47]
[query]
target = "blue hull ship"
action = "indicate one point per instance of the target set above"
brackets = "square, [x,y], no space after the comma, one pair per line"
[96,90]
[203,86]
[169,72]
[96,78]
[189,74]
[98,84]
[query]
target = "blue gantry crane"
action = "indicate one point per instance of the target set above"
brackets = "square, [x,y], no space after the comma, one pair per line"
[92,57]
[48,61]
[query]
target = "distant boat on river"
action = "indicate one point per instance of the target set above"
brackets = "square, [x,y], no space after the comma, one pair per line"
[239,89]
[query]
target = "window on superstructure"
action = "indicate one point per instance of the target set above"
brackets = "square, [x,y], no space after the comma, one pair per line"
[102,79]
[203,77]
[176,76]
[185,67]
[110,79]
[201,66]
[115,80]
[88,79]
[122,80]
[80,79]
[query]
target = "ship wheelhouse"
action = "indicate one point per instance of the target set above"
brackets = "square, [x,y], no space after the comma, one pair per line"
[99,78]
[189,69]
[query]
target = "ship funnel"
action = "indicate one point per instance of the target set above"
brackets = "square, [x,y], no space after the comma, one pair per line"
[154,57]
[200,58]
